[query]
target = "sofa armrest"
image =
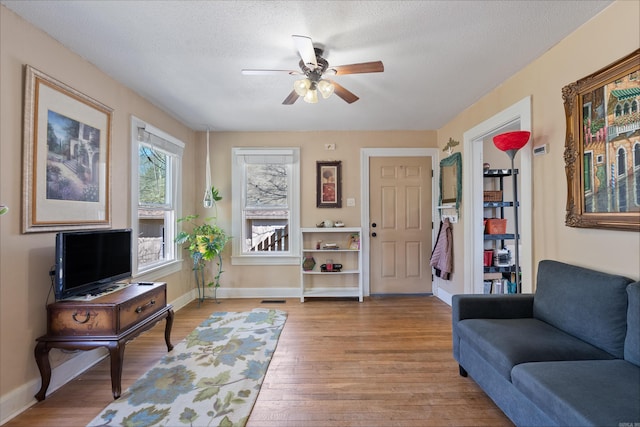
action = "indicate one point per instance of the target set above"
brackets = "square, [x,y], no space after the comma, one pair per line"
[509,306]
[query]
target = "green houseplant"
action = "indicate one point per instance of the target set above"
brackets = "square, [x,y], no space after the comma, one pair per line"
[205,243]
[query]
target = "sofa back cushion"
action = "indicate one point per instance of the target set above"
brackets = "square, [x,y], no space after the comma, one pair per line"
[632,342]
[588,304]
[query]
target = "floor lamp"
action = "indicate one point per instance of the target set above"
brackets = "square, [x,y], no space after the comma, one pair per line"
[510,143]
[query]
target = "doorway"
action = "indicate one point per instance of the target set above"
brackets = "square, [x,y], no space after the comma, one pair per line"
[516,117]
[393,156]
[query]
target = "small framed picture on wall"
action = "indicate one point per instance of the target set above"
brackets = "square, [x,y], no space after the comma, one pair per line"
[329,184]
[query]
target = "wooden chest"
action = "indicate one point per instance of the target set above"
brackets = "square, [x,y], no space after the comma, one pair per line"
[106,316]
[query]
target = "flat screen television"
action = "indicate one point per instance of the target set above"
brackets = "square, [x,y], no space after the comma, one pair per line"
[91,260]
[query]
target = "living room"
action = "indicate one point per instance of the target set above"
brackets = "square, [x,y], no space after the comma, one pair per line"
[26,259]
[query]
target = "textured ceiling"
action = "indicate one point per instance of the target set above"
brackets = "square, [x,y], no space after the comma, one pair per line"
[185,56]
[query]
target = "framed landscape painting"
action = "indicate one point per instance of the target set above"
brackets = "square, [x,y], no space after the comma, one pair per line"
[329,184]
[66,173]
[602,147]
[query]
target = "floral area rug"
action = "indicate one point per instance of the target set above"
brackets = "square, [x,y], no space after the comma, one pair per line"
[211,378]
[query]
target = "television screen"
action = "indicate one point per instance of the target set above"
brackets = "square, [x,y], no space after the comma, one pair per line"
[88,261]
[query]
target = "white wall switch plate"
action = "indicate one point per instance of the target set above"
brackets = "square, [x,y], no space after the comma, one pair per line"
[329,146]
[351,202]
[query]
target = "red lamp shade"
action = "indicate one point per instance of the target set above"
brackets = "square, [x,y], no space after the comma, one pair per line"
[511,140]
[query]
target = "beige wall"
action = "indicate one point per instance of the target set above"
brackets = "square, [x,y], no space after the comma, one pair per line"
[603,40]
[25,259]
[348,146]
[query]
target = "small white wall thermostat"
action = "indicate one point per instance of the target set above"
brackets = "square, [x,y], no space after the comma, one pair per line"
[540,150]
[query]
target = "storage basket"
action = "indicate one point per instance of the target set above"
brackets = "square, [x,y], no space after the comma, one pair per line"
[492,195]
[496,226]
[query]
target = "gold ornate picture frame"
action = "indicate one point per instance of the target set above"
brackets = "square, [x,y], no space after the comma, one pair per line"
[66,155]
[602,147]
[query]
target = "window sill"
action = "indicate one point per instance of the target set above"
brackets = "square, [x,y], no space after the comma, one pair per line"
[160,271]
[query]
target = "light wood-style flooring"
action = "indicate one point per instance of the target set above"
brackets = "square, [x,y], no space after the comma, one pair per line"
[385,362]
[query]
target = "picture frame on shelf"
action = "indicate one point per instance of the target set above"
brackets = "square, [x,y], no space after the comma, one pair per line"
[66,157]
[329,184]
[601,152]
[354,241]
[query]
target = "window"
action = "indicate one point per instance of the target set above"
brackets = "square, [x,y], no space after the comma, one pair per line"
[266,205]
[156,176]
[622,162]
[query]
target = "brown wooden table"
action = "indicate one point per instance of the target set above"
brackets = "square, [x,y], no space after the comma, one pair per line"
[108,321]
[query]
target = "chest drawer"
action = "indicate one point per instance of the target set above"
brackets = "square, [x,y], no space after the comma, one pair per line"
[82,319]
[141,307]
[109,315]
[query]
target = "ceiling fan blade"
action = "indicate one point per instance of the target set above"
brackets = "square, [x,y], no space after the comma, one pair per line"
[293,97]
[268,72]
[343,93]
[363,67]
[305,48]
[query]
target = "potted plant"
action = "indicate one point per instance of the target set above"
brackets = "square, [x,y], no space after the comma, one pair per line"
[205,242]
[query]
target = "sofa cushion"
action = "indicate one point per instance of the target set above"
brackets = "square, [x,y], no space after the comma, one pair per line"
[585,303]
[583,393]
[508,342]
[632,342]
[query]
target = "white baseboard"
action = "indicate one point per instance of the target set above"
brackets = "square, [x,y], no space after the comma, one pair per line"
[20,399]
[184,299]
[444,296]
[15,402]
[255,292]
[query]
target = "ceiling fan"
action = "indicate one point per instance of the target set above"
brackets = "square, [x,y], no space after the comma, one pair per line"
[314,67]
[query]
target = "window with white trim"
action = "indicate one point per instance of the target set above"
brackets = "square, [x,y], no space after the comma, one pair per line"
[266,206]
[156,160]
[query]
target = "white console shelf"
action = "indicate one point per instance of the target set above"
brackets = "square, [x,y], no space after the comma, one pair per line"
[339,284]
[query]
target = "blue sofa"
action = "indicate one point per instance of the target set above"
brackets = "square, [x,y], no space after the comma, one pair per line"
[568,355]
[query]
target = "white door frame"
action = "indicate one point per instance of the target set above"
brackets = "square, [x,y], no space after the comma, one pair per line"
[472,196]
[367,153]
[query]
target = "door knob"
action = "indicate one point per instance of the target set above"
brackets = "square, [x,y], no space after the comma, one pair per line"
[374,225]
[373,234]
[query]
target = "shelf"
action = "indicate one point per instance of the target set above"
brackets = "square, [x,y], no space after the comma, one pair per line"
[497,208]
[331,230]
[494,269]
[344,283]
[324,251]
[334,293]
[497,204]
[331,273]
[499,236]
[496,173]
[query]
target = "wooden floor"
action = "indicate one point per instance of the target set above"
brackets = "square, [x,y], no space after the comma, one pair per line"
[384,362]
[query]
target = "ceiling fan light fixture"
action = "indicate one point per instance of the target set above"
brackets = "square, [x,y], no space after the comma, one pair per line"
[302,86]
[311,96]
[313,67]
[326,88]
